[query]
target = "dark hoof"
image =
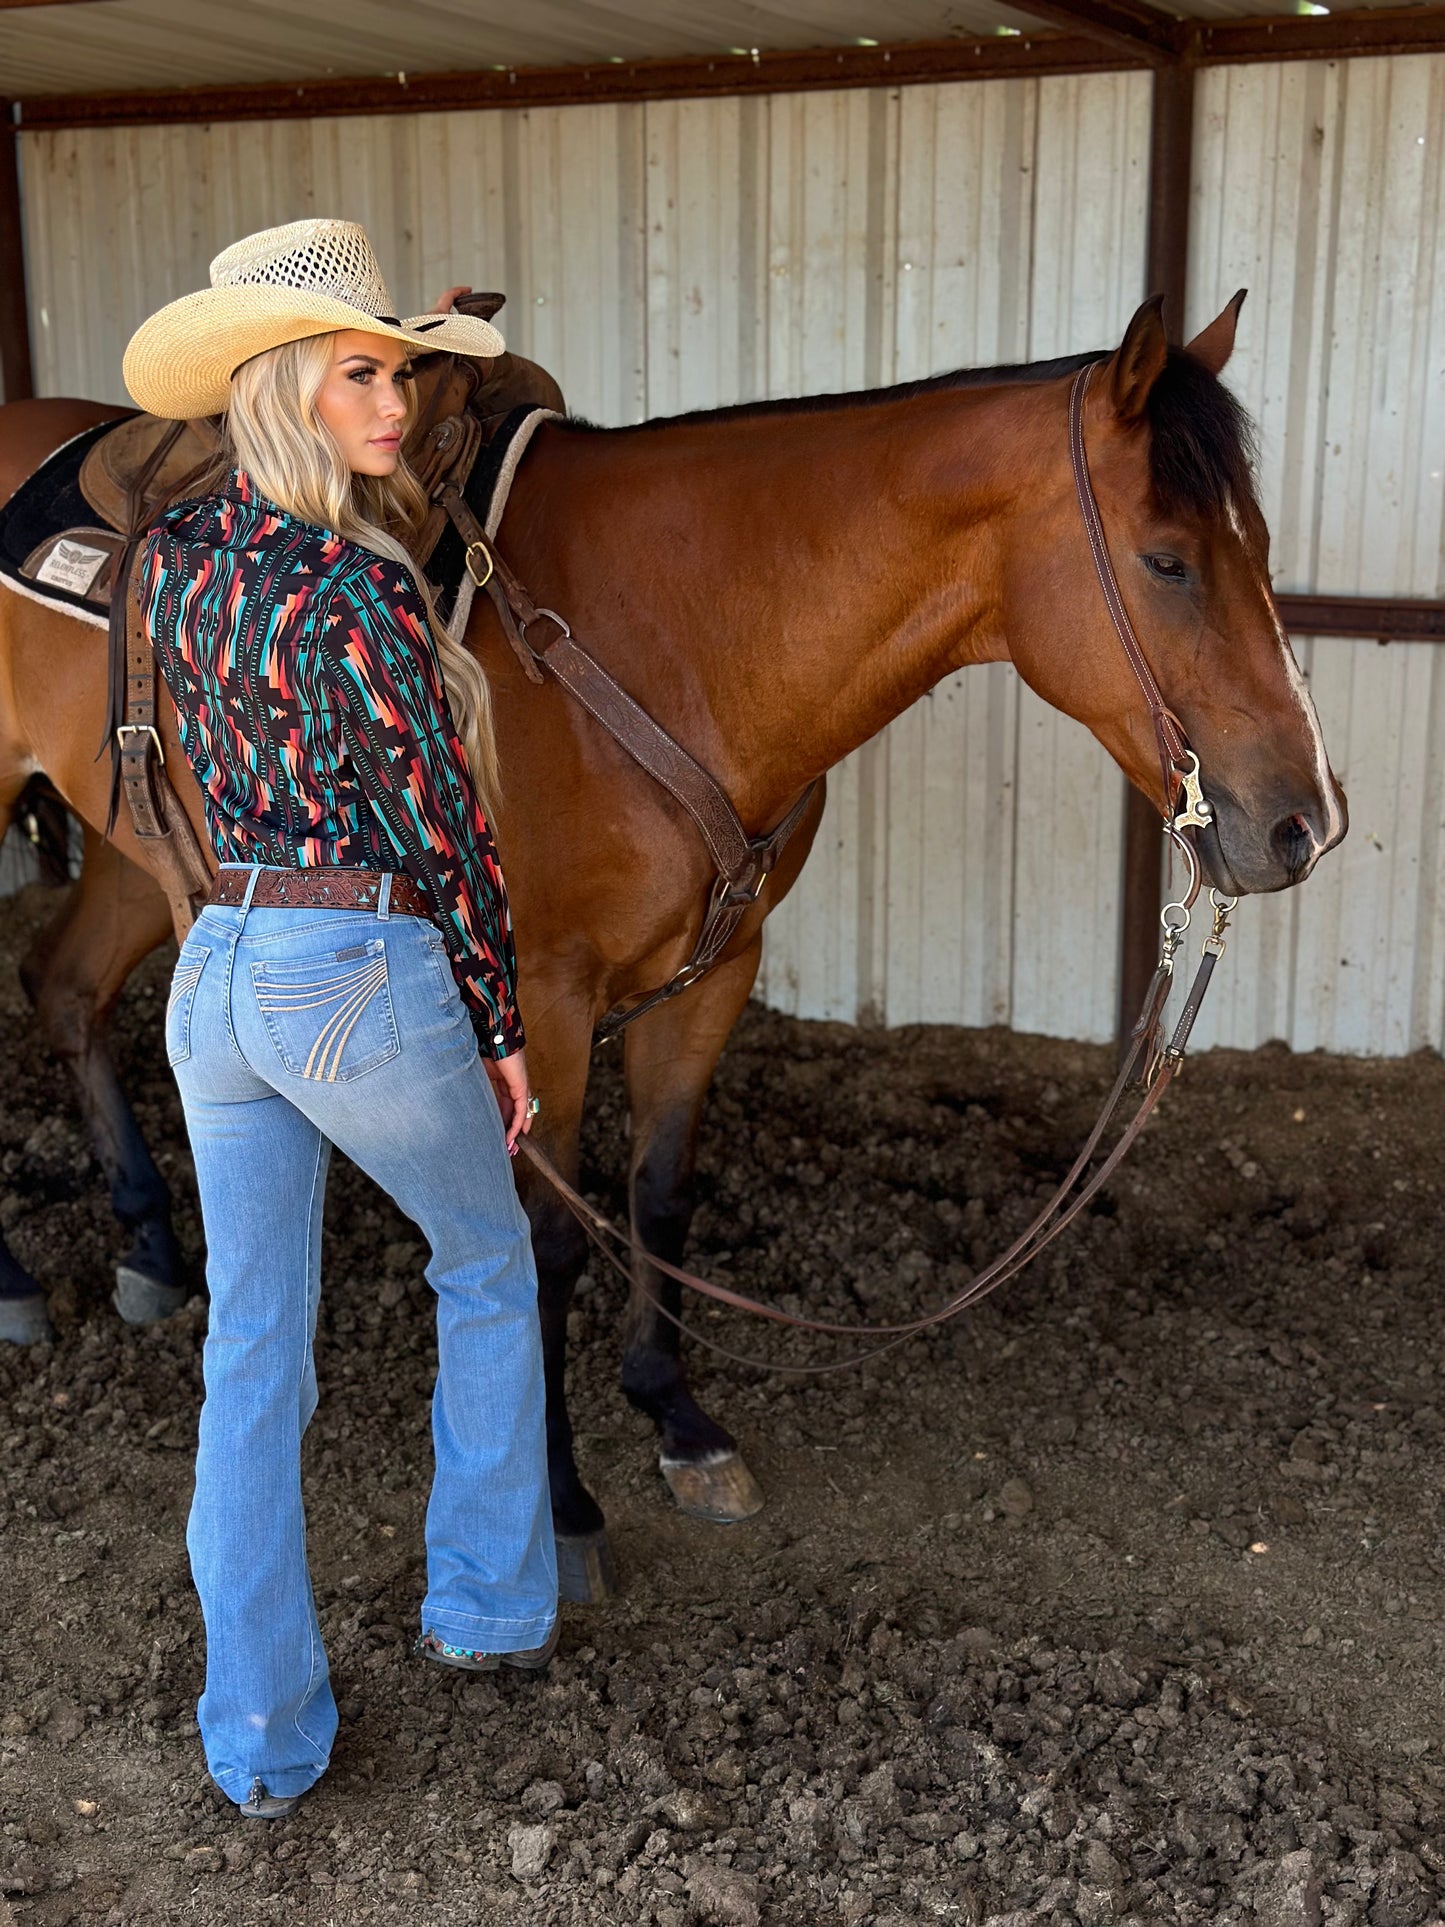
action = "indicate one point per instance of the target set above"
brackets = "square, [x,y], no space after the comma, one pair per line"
[585,1572]
[719,1488]
[25,1321]
[140,1300]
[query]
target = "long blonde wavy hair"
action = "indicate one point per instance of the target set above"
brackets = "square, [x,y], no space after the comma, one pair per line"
[273,432]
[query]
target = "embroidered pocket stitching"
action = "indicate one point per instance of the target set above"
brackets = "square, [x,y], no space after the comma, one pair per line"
[347,996]
[184,978]
[183,982]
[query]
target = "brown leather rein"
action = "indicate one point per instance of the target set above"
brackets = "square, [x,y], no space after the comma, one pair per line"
[1147,1058]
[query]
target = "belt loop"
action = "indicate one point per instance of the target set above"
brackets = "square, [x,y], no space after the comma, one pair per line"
[245,903]
[383,900]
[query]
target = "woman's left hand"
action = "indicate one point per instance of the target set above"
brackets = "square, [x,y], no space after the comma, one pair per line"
[513,1094]
[443,304]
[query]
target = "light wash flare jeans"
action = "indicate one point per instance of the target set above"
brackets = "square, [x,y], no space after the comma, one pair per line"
[290,1030]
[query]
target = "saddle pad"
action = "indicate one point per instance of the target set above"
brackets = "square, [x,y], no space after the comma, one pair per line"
[485,493]
[50,547]
[52,550]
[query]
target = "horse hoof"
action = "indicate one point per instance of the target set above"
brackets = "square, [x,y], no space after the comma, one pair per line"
[719,1488]
[140,1300]
[25,1321]
[585,1572]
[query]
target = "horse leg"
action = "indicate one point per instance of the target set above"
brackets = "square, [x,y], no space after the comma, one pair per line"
[23,1317]
[557,1054]
[73,975]
[671,1055]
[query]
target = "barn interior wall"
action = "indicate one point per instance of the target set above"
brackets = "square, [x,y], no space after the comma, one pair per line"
[689,254]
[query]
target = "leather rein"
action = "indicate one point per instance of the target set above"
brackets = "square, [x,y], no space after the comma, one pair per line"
[1147,1058]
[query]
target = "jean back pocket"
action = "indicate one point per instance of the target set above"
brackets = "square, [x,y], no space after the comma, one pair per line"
[329,1016]
[184,978]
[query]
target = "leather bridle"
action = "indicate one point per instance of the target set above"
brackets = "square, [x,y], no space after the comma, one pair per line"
[1147,1058]
[1185,804]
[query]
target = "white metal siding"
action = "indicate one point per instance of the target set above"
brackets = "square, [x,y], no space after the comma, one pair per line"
[687,254]
[1318,185]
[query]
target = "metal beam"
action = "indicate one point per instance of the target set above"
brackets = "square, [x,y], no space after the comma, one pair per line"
[1125,25]
[1359,31]
[15,368]
[994,57]
[1171,139]
[998,56]
[1365,618]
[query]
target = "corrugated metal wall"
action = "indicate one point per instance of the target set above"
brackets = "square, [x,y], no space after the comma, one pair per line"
[695,253]
[1319,186]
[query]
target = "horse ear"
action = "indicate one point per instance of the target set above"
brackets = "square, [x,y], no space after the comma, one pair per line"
[1139,360]
[1216,342]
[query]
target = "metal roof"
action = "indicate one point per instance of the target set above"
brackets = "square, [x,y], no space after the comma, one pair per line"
[103,45]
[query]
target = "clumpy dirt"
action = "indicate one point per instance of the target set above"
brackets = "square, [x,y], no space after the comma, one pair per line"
[1119,1601]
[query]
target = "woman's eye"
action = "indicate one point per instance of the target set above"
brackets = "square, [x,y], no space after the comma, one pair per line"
[1167,567]
[363,375]
[405,374]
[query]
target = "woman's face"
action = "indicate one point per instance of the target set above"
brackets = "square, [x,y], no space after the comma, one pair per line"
[364,400]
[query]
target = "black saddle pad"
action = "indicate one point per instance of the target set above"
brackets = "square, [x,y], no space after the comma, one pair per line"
[47,504]
[448,559]
[50,502]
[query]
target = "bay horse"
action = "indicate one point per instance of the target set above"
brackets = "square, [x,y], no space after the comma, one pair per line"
[774,583]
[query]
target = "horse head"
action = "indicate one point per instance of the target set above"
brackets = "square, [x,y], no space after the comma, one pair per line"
[1170,452]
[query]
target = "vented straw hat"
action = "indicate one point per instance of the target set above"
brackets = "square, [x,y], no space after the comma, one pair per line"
[282,284]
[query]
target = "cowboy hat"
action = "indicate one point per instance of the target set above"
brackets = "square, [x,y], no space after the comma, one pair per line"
[308,278]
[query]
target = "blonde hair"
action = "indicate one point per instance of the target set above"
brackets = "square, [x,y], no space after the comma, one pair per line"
[273,431]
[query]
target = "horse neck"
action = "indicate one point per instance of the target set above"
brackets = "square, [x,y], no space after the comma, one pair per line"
[777,587]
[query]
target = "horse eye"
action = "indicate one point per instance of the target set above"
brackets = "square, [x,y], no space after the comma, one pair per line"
[1167,567]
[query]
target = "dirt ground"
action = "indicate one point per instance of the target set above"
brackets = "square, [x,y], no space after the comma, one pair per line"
[1118,1601]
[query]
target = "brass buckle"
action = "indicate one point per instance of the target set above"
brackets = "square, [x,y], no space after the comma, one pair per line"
[480,580]
[123,730]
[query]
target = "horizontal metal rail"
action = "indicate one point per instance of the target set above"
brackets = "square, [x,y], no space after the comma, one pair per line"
[1106,35]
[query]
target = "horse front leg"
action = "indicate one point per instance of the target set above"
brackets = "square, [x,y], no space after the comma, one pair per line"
[671,1056]
[24,1319]
[558,1045]
[73,975]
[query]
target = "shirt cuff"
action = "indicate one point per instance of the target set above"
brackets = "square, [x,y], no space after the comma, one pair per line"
[498,1040]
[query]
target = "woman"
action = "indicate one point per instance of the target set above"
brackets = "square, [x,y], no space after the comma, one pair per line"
[353,958]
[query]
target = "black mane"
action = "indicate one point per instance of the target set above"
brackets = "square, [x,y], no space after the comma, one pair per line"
[1201,440]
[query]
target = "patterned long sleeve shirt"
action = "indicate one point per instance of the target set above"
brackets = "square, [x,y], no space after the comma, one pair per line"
[313,712]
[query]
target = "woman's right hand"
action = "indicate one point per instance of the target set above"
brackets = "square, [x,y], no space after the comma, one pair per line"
[513,1092]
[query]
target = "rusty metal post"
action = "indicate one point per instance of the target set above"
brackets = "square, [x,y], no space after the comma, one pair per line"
[15,369]
[1167,261]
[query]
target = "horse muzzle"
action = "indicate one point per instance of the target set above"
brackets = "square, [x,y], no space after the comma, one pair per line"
[1273,843]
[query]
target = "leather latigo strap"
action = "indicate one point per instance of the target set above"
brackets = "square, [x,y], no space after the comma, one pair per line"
[175,856]
[743,863]
[337,886]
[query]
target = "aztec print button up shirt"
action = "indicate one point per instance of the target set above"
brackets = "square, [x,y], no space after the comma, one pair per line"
[313,713]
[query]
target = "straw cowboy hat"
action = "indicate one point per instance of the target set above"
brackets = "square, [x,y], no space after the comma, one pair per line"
[282,284]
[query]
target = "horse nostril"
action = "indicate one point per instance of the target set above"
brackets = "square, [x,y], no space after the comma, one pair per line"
[1294,843]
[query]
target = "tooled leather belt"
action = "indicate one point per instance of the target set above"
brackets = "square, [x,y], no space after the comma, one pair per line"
[327,887]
